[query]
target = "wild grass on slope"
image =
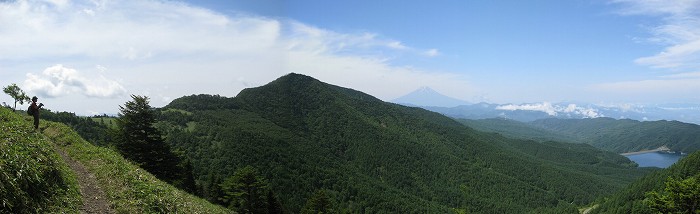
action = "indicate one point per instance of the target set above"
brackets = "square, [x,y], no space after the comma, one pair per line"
[33,178]
[129,188]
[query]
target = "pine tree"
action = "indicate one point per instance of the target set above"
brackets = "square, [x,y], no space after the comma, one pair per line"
[245,191]
[679,196]
[139,141]
[273,204]
[318,203]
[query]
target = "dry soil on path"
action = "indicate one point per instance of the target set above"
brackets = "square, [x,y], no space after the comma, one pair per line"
[94,199]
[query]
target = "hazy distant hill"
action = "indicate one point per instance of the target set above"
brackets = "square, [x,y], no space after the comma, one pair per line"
[426,96]
[520,130]
[373,156]
[628,135]
[528,112]
[609,134]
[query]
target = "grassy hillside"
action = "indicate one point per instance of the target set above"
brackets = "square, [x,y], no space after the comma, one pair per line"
[630,199]
[33,178]
[628,135]
[371,156]
[129,188]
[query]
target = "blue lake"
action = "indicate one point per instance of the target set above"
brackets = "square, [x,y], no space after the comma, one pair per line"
[655,159]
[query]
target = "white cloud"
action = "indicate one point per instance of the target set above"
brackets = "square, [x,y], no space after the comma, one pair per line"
[432,52]
[397,45]
[679,31]
[652,87]
[157,44]
[57,81]
[683,75]
[545,107]
[553,110]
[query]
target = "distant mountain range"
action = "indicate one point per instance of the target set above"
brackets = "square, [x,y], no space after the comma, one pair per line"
[613,135]
[431,100]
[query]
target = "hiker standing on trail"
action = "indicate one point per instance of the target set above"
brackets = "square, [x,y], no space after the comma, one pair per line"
[35,111]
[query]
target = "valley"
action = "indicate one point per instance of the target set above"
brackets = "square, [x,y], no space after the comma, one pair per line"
[304,136]
[344,107]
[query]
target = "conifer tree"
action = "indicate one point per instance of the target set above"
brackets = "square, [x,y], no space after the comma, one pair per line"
[246,191]
[139,141]
[318,203]
[679,196]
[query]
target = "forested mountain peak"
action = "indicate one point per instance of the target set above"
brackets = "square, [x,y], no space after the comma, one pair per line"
[372,156]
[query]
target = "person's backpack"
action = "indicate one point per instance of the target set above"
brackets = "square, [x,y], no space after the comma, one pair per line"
[30,110]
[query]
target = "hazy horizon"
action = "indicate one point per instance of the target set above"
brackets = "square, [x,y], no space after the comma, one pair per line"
[88,56]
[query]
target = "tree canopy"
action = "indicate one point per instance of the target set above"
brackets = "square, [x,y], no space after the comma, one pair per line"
[17,94]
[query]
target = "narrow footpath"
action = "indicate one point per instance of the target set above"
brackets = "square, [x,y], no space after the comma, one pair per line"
[94,199]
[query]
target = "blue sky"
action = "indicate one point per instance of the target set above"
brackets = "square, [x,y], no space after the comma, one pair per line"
[600,51]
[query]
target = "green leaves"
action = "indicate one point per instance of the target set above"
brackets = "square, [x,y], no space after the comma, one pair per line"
[318,203]
[679,196]
[246,191]
[16,93]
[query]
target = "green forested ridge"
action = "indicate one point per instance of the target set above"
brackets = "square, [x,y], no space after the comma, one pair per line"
[605,133]
[628,135]
[517,129]
[631,198]
[370,156]
[89,129]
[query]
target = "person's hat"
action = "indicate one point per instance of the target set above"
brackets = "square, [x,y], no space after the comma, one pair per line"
[34,98]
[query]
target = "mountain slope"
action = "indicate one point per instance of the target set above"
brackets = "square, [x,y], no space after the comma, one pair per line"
[129,189]
[630,199]
[33,178]
[628,135]
[519,130]
[373,156]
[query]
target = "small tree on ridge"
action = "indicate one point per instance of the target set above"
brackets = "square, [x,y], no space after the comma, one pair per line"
[16,93]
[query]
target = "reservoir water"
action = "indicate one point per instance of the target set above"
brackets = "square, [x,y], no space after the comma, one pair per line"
[655,159]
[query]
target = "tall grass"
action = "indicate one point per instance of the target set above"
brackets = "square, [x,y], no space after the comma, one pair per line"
[33,178]
[129,188]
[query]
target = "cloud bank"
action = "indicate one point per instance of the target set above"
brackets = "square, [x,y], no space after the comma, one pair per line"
[168,49]
[58,81]
[553,109]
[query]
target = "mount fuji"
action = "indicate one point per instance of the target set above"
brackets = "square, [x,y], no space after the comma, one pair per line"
[426,96]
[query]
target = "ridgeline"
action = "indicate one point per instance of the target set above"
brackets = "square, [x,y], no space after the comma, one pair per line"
[304,135]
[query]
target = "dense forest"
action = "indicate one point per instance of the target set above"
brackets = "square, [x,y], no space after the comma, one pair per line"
[637,196]
[298,145]
[605,133]
[304,136]
[628,135]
